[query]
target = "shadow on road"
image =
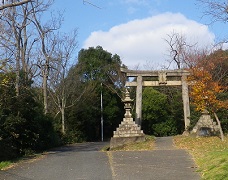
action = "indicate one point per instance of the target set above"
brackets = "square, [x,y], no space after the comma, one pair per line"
[80,147]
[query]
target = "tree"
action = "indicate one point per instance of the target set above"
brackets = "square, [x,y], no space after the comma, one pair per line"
[95,66]
[217,10]
[23,126]
[179,50]
[100,66]
[205,88]
[59,86]
[19,41]
[5,5]
[14,24]
[157,118]
[48,47]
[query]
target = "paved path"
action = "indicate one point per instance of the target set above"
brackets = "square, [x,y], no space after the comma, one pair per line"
[86,162]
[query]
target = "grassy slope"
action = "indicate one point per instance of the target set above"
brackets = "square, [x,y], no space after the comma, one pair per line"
[210,154]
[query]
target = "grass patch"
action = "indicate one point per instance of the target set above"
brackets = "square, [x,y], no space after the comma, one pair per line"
[210,154]
[147,145]
[25,159]
[5,164]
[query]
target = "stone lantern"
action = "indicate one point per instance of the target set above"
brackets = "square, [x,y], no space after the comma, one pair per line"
[127,105]
[205,125]
[128,131]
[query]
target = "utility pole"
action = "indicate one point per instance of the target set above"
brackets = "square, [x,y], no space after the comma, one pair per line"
[102,120]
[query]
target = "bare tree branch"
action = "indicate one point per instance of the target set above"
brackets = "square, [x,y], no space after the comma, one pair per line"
[84,2]
[4,6]
[179,49]
[217,10]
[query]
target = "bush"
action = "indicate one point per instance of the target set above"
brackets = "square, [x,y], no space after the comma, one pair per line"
[23,126]
[25,129]
[7,150]
[167,128]
[20,136]
[72,137]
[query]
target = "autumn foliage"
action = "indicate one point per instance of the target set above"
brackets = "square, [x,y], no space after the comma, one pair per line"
[205,86]
[207,81]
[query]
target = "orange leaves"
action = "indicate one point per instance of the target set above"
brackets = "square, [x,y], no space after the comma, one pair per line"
[204,89]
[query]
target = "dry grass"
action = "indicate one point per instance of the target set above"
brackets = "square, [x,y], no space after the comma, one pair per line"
[209,153]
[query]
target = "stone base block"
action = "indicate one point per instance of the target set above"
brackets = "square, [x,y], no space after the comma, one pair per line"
[120,141]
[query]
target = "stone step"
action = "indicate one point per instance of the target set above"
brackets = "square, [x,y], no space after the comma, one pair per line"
[140,132]
[129,127]
[128,122]
[128,132]
[128,135]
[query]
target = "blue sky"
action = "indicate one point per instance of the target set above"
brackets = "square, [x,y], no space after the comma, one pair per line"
[136,29]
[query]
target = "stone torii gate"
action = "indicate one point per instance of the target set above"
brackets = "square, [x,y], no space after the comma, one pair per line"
[162,78]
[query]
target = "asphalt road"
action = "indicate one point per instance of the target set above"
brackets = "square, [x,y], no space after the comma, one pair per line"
[85,162]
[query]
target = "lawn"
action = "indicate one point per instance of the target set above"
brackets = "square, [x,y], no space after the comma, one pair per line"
[209,153]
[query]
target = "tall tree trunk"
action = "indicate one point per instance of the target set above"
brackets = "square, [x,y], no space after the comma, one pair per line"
[45,93]
[220,127]
[17,36]
[63,120]
[45,84]
[63,105]
[17,73]
[42,34]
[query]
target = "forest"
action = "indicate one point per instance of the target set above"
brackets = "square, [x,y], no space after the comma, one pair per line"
[50,97]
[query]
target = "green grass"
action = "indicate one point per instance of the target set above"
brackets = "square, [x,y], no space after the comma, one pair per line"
[138,146]
[29,158]
[209,153]
[5,164]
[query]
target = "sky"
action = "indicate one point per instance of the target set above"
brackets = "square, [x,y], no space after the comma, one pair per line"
[136,29]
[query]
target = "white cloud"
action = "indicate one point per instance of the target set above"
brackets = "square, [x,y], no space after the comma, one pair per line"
[141,42]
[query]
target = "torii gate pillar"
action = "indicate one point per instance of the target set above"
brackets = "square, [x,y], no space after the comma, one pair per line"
[138,119]
[185,98]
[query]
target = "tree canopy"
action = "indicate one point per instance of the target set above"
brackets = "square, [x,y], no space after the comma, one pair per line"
[97,70]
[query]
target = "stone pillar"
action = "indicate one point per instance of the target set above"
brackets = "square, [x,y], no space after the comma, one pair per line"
[138,118]
[185,97]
